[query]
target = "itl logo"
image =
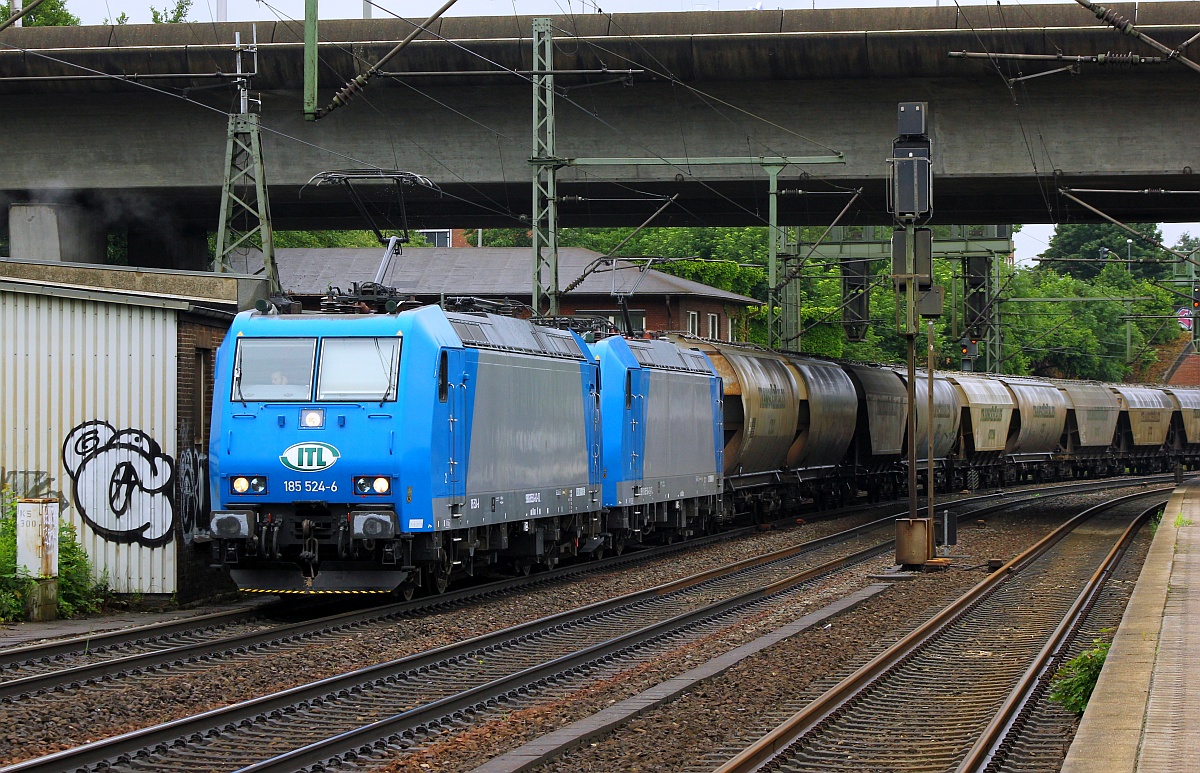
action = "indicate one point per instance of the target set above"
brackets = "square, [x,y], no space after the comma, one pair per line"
[309,457]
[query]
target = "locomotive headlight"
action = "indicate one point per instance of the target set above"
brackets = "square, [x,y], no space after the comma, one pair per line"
[258,484]
[312,418]
[372,484]
[240,485]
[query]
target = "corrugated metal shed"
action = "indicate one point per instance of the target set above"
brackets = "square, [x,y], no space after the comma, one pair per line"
[88,396]
[482,271]
[90,407]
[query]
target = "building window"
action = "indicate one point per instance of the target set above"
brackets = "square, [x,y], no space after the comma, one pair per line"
[437,238]
[729,326]
[693,323]
[714,326]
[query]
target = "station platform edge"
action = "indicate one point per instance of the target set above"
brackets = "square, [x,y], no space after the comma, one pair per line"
[1144,714]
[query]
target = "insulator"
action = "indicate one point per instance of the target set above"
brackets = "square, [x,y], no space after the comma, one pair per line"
[1119,60]
[1110,16]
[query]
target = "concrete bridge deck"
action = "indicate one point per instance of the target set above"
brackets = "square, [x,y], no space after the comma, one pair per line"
[149,157]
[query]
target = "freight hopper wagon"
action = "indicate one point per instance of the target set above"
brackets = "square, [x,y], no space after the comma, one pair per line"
[383,452]
[788,422]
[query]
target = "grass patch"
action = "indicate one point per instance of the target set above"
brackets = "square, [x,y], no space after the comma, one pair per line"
[1181,521]
[78,592]
[1073,684]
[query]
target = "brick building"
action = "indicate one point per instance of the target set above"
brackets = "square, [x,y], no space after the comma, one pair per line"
[660,302]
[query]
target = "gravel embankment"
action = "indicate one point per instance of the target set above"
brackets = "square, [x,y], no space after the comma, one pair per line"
[750,698]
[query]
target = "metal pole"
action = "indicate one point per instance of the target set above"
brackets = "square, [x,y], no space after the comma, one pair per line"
[910,335]
[773,255]
[929,487]
[310,60]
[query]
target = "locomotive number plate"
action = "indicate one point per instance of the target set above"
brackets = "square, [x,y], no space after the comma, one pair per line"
[310,486]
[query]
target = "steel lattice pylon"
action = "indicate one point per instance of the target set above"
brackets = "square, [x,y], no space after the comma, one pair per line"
[244,201]
[545,168]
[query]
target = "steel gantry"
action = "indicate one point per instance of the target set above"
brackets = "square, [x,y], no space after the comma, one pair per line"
[546,163]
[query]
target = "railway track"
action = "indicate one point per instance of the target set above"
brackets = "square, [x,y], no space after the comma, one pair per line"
[430,693]
[77,662]
[954,693]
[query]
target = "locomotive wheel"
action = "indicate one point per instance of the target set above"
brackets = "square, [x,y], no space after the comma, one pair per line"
[439,574]
[405,591]
[598,553]
[439,580]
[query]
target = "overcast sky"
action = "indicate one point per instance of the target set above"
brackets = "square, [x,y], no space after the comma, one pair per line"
[1030,242]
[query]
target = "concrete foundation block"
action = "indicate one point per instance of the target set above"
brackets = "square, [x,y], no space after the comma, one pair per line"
[42,603]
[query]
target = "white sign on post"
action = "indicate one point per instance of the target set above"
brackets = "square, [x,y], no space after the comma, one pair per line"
[37,537]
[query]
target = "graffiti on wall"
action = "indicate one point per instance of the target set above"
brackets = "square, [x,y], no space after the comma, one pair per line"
[31,484]
[121,483]
[191,481]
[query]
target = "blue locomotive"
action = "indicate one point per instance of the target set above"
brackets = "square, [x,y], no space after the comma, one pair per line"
[381,452]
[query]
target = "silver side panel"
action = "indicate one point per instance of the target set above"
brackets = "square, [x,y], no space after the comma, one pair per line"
[991,406]
[1096,409]
[947,415]
[1189,409]
[763,388]
[887,406]
[827,418]
[1043,415]
[679,426]
[1149,414]
[528,441]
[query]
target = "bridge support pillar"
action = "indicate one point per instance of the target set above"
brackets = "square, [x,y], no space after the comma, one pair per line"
[55,232]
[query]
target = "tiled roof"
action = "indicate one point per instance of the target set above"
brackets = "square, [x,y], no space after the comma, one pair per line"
[482,271]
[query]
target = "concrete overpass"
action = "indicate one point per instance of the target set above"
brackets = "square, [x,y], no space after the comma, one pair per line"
[149,156]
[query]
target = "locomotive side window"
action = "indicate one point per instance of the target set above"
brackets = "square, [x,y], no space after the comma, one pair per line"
[443,378]
[273,369]
[359,369]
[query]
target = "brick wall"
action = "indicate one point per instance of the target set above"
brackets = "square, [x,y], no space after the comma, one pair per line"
[198,342]
[666,314]
[1187,369]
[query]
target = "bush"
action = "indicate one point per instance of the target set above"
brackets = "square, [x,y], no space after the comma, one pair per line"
[14,587]
[1074,682]
[78,593]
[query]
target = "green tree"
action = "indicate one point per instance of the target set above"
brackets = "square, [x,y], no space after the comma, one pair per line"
[317,239]
[507,237]
[176,14]
[1085,248]
[51,13]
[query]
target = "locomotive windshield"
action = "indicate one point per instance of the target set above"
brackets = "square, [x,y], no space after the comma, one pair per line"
[273,369]
[358,369]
